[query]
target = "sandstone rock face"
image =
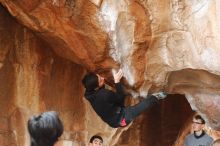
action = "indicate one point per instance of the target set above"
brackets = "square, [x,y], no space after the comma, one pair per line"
[170,45]
[34,79]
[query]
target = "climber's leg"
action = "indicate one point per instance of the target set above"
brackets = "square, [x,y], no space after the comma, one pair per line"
[132,112]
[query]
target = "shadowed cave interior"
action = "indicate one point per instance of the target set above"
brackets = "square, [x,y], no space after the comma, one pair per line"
[162,125]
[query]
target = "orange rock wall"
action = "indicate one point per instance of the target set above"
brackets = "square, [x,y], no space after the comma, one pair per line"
[34,79]
[46,47]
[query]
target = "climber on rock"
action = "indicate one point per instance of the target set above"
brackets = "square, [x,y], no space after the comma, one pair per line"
[109,105]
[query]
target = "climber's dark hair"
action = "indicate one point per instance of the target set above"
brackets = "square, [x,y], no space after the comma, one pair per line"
[45,129]
[90,81]
[94,137]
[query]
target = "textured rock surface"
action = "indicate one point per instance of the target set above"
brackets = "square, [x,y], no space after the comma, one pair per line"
[33,80]
[170,45]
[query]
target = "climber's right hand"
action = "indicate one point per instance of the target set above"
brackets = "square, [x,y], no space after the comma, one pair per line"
[117,76]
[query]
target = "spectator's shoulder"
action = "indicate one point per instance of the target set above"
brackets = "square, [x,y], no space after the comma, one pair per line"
[187,140]
[209,137]
[189,136]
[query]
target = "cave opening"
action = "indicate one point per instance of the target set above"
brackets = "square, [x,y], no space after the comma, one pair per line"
[162,125]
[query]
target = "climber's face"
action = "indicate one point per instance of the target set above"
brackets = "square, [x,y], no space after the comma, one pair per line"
[96,142]
[101,80]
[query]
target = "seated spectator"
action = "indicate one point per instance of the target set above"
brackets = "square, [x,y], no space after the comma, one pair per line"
[45,129]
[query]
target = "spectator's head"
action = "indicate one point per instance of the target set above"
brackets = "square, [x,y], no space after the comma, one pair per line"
[92,81]
[45,129]
[216,143]
[198,123]
[96,140]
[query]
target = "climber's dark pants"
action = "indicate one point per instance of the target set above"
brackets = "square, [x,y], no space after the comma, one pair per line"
[131,112]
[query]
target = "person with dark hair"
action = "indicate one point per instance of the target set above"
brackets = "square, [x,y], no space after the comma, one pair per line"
[45,129]
[216,143]
[96,140]
[109,105]
[199,137]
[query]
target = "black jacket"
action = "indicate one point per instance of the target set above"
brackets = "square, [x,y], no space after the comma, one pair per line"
[107,104]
